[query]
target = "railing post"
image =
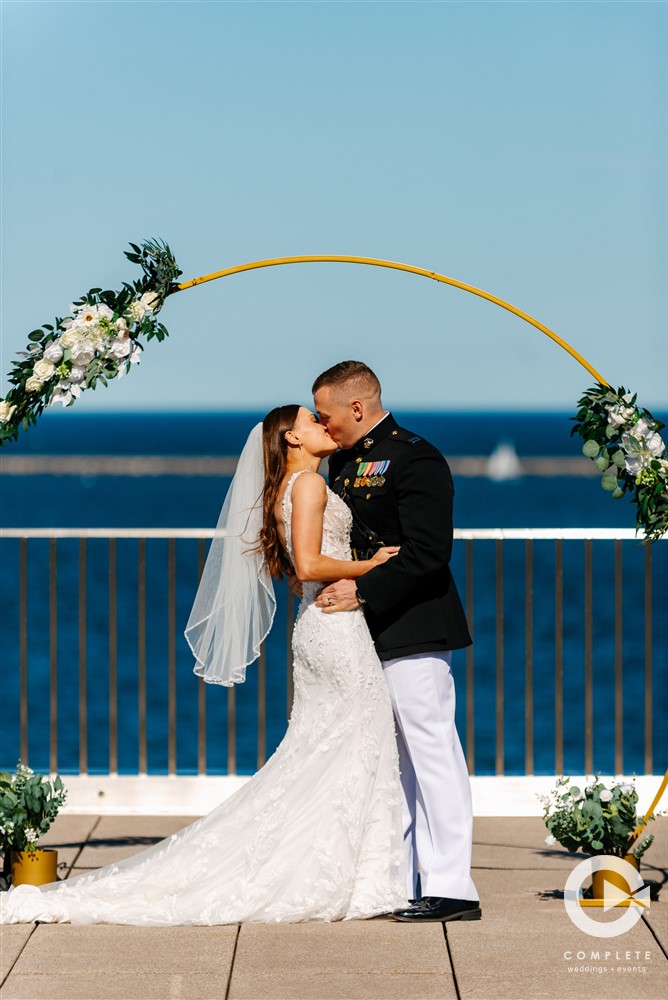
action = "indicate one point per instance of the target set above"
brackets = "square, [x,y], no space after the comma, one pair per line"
[23,647]
[113,661]
[499,763]
[470,687]
[201,684]
[53,656]
[588,660]
[619,680]
[648,659]
[559,656]
[171,656]
[528,654]
[83,685]
[141,653]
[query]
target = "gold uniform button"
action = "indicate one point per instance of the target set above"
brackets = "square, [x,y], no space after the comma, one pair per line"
[394,433]
[346,482]
[368,496]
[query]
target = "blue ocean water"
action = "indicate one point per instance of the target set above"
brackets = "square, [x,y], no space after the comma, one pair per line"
[180,501]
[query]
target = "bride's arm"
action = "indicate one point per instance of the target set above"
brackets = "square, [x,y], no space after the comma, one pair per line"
[309,499]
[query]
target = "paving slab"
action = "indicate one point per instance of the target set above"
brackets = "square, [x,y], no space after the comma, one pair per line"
[119,837]
[356,946]
[68,949]
[347,960]
[116,986]
[13,938]
[342,986]
[526,944]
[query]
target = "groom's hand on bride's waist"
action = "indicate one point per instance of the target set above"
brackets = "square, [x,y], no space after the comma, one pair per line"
[339,596]
[294,583]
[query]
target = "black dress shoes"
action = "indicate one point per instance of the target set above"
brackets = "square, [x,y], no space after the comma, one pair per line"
[432,909]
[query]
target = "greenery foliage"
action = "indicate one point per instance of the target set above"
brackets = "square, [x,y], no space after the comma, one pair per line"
[29,803]
[624,443]
[596,820]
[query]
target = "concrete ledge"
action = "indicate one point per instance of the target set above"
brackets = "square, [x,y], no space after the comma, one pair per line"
[163,795]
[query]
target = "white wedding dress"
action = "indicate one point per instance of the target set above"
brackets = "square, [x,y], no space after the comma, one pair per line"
[316,834]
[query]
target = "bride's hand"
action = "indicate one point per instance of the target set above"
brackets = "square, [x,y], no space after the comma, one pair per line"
[382,555]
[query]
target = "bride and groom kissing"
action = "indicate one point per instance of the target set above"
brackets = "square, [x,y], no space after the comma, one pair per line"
[365,807]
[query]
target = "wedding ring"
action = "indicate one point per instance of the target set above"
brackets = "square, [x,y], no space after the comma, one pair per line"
[330,601]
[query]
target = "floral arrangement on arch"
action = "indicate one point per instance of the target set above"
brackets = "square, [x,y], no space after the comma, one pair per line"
[97,342]
[624,443]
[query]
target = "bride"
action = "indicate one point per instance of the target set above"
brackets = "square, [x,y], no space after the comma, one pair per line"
[316,834]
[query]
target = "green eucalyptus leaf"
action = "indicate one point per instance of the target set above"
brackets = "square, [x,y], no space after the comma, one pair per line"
[609,483]
[591,448]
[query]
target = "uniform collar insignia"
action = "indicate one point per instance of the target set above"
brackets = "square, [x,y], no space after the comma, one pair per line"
[379,433]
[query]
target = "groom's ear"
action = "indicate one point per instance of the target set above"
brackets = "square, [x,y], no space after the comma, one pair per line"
[357,408]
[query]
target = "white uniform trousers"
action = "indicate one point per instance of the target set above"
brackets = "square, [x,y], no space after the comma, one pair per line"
[437,808]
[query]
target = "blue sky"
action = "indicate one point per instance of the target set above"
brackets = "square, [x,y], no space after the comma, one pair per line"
[517,146]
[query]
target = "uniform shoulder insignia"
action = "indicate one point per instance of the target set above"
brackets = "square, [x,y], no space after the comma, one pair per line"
[406,436]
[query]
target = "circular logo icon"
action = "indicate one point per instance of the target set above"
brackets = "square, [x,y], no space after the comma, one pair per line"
[635,901]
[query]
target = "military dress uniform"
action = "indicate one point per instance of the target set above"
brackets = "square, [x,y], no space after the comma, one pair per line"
[400,491]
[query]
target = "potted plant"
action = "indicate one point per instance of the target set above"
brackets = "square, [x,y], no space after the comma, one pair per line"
[29,803]
[596,820]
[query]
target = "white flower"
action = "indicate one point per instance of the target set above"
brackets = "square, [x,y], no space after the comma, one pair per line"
[605,795]
[626,789]
[119,349]
[88,315]
[150,301]
[53,352]
[6,410]
[122,329]
[550,840]
[77,375]
[69,339]
[34,384]
[619,415]
[82,353]
[44,369]
[30,834]
[642,445]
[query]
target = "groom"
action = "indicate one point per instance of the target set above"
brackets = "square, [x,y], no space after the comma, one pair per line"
[400,491]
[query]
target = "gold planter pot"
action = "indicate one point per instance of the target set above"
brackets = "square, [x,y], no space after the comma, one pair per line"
[36,868]
[598,879]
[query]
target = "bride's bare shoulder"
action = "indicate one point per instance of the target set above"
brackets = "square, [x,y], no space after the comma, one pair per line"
[309,486]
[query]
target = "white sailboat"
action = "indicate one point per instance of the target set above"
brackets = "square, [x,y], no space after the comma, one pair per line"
[503,463]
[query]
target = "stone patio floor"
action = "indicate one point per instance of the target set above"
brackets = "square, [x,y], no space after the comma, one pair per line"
[524,948]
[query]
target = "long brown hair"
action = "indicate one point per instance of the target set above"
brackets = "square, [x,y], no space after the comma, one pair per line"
[274,427]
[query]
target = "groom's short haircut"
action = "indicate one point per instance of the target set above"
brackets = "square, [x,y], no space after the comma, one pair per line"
[354,376]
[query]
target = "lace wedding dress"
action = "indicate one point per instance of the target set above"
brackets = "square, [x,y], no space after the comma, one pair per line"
[316,834]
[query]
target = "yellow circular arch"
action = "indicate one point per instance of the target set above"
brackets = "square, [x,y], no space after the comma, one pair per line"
[376,262]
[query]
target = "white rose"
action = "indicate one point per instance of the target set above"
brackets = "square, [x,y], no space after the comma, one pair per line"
[550,840]
[69,339]
[136,312]
[77,375]
[34,384]
[44,369]
[605,795]
[53,352]
[119,349]
[82,353]
[6,410]
[626,789]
